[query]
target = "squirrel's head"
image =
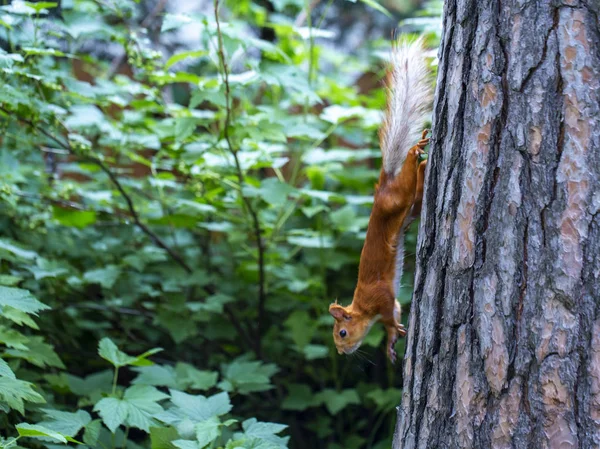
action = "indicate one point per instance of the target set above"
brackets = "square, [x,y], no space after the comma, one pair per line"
[349,329]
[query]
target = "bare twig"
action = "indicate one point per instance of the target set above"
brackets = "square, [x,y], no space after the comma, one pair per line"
[113,178]
[245,200]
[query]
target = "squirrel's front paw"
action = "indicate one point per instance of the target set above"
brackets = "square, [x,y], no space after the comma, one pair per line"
[401,330]
[421,144]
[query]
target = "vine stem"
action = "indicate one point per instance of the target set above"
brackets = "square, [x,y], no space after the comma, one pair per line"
[240,175]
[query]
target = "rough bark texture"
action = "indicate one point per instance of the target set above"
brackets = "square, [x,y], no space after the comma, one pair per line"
[503,348]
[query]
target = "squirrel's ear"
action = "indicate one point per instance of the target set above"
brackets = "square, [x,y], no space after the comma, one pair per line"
[336,311]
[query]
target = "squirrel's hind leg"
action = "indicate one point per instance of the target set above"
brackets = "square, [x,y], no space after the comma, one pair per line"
[398,196]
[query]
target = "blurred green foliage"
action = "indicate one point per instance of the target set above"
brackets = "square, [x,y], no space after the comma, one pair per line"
[208,203]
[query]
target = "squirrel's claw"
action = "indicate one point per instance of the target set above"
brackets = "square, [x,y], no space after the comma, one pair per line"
[401,330]
[392,355]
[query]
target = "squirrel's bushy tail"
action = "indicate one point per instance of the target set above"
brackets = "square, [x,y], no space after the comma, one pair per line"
[409,95]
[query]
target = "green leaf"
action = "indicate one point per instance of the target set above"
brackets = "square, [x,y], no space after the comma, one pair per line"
[301,327]
[36,431]
[247,377]
[337,114]
[9,280]
[109,351]
[19,8]
[184,55]
[213,303]
[39,6]
[316,241]
[375,337]
[84,116]
[113,412]
[18,317]
[264,430]
[142,405]
[194,207]
[156,375]
[300,397]
[163,437]
[91,386]
[312,352]
[32,51]
[46,268]
[385,399]
[172,21]
[13,338]
[38,352]
[106,276]
[7,245]
[311,211]
[186,444]
[207,431]
[317,157]
[185,127]
[191,378]
[200,408]
[176,323]
[275,192]
[73,217]
[344,218]
[66,423]
[5,370]
[335,401]
[14,392]
[373,4]
[137,408]
[20,299]
[92,432]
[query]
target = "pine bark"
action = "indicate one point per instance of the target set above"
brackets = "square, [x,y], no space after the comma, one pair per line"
[503,349]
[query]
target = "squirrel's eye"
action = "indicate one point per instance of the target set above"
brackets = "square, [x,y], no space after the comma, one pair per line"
[343,333]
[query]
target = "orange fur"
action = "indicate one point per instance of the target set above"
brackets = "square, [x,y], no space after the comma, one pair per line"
[397,202]
[396,198]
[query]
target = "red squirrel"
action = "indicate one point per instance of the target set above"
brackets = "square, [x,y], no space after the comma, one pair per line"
[397,200]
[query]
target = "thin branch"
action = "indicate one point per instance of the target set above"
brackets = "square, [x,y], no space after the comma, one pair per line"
[113,178]
[157,240]
[68,204]
[238,326]
[246,201]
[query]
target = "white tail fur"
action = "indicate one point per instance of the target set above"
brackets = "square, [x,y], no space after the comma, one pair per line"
[409,96]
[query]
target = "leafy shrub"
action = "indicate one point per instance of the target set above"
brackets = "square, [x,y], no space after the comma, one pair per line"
[212,203]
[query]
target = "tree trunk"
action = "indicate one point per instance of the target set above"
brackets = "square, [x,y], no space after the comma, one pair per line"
[503,348]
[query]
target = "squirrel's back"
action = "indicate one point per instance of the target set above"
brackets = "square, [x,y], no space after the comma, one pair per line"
[409,96]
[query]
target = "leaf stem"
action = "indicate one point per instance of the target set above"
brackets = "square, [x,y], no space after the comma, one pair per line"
[124,444]
[114,384]
[311,41]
